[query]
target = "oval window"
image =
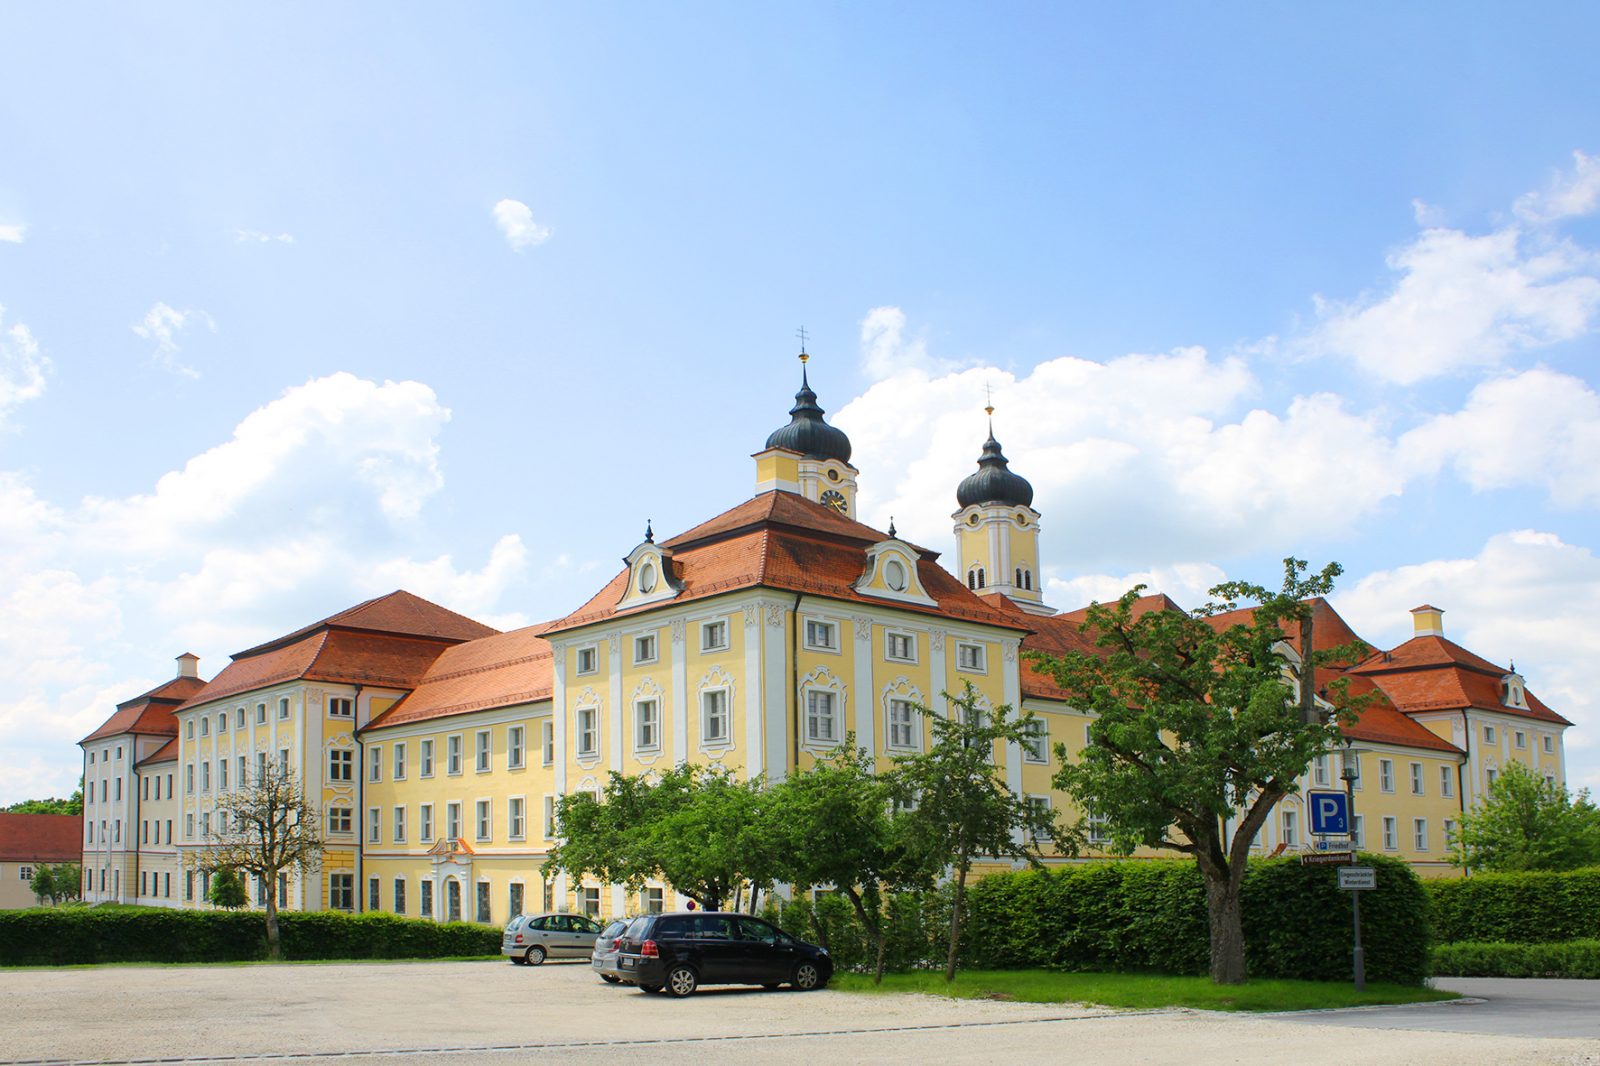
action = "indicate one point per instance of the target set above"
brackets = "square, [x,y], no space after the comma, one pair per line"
[894,575]
[647,578]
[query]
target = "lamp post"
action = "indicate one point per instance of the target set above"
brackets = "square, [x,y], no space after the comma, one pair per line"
[1350,771]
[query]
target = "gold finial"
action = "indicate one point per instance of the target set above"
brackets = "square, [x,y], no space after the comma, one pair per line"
[988,400]
[801,333]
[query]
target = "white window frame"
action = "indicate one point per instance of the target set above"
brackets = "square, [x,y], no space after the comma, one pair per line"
[586,736]
[1391,833]
[1386,775]
[425,823]
[646,648]
[1418,781]
[906,652]
[1319,770]
[815,627]
[516,818]
[283,708]
[453,758]
[978,663]
[425,757]
[547,742]
[714,635]
[452,820]
[1040,801]
[1488,734]
[1519,740]
[375,763]
[1549,744]
[483,821]
[1036,749]
[833,716]
[483,751]
[516,747]
[341,764]
[1358,830]
[399,826]
[341,707]
[1447,780]
[339,821]
[592,653]
[1419,833]
[261,714]
[549,817]
[374,825]
[1289,826]
[913,735]
[640,721]
[707,697]
[399,772]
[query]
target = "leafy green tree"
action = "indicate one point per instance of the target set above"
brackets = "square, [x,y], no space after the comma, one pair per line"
[1199,730]
[227,890]
[71,805]
[835,824]
[956,808]
[1528,823]
[55,883]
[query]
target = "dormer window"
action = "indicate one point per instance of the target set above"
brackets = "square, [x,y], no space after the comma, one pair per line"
[894,575]
[1515,694]
[647,578]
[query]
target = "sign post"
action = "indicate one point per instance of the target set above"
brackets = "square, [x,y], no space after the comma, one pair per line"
[1353,879]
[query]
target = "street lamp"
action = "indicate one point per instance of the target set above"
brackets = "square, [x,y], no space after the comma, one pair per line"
[1350,772]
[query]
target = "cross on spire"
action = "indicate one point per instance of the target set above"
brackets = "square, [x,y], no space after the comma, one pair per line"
[802,334]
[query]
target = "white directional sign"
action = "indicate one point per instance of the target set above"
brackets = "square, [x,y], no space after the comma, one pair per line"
[1358,878]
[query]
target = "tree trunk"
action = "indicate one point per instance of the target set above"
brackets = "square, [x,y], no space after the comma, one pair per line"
[1227,930]
[873,928]
[955,916]
[273,950]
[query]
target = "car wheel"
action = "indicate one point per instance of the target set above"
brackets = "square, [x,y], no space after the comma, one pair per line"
[535,955]
[681,981]
[609,978]
[518,960]
[807,977]
[652,989]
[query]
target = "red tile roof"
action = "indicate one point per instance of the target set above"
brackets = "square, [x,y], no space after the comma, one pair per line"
[499,671]
[399,612]
[149,713]
[165,753]
[784,541]
[41,837]
[1434,674]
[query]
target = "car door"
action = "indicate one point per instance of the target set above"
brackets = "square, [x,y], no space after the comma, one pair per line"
[717,948]
[581,934]
[766,953]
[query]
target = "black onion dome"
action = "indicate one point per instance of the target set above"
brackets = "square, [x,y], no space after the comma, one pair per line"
[994,482]
[807,433]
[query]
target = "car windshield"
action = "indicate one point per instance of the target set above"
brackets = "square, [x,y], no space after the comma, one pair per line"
[615,928]
[637,926]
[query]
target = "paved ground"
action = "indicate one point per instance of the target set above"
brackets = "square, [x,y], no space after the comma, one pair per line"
[413,1013]
[1539,1008]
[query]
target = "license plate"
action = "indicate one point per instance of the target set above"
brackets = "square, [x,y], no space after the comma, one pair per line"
[626,964]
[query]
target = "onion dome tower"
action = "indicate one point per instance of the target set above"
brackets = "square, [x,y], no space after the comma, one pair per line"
[997,530]
[808,456]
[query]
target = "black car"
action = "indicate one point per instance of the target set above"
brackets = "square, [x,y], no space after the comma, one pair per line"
[681,951]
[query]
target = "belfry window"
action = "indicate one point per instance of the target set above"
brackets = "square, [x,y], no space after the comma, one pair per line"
[975,578]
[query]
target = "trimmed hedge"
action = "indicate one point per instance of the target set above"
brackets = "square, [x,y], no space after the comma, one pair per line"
[1532,907]
[1571,958]
[59,936]
[1152,916]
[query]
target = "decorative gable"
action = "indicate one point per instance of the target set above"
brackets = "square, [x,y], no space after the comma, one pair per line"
[651,578]
[891,573]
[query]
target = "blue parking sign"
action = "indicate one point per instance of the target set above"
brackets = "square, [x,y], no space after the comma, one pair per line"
[1330,813]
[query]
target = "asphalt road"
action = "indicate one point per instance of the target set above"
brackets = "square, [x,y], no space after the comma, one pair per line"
[1529,1007]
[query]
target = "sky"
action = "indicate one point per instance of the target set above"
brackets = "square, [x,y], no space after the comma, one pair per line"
[302,303]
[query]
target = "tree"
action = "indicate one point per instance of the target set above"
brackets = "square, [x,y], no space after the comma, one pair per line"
[957,808]
[1199,731]
[227,890]
[71,805]
[55,883]
[1528,823]
[835,824]
[266,828]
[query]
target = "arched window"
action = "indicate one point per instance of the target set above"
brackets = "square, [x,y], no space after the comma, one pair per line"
[1019,583]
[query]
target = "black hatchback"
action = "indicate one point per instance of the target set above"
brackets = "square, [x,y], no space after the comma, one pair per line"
[681,951]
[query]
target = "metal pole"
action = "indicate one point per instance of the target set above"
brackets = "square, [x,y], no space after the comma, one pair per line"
[1355,895]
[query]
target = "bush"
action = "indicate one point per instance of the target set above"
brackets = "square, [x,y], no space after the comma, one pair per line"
[1571,958]
[1524,908]
[67,936]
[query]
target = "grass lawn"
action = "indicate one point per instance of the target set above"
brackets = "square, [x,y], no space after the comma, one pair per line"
[1139,991]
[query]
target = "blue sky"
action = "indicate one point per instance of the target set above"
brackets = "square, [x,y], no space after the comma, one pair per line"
[305,303]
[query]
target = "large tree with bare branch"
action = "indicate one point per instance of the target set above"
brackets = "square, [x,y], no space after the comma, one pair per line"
[265,828]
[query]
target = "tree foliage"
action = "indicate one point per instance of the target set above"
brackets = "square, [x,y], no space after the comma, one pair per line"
[71,805]
[1528,823]
[266,828]
[1199,730]
[227,890]
[57,882]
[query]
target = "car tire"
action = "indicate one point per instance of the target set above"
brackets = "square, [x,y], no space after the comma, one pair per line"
[518,960]
[535,955]
[609,979]
[808,977]
[682,981]
[652,989]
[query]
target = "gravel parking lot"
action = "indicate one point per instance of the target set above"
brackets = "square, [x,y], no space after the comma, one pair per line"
[451,1012]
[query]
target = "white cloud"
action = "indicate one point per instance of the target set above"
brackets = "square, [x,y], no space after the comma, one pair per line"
[472,592]
[22,368]
[1190,584]
[1527,596]
[1569,194]
[162,325]
[515,220]
[885,350]
[1539,427]
[255,236]
[12,232]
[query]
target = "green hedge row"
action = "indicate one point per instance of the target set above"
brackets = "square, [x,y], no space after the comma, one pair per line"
[60,936]
[1152,916]
[1523,908]
[1570,958]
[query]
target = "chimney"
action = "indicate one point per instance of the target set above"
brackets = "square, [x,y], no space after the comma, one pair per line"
[189,665]
[1427,621]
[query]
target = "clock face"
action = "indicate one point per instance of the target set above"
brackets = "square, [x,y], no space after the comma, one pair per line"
[835,499]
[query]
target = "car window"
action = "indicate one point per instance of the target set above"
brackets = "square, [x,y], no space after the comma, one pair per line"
[711,927]
[585,925]
[756,929]
[562,923]
[675,926]
[614,929]
[538,923]
[636,928]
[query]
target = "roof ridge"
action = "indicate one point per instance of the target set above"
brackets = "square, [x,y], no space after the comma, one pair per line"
[499,664]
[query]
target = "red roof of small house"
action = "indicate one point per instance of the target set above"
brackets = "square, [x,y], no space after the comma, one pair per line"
[41,837]
[1431,673]
[499,671]
[167,752]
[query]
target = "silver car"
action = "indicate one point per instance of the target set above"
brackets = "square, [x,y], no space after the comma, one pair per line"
[604,959]
[530,939]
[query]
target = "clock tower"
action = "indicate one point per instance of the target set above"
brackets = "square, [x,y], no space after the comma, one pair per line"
[808,456]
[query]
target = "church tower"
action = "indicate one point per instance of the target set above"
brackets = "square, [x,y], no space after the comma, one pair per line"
[997,531]
[808,456]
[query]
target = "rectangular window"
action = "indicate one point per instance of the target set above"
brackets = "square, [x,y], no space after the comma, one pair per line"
[714,716]
[514,747]
[261,714]
[188,884]
[1319,770]
[514,900]
[341,892]
[714,636]
[373,902]
[374,825]
[1391,834]
[1356,838]
[1449,833]
[425,823]
[483,902]
[549,817]
[483,758]
[653,900]
[1036,746]
[452,755]
[340,707]
[1519,738]
[900,647]
[1419,833]
[425,760]
[1491,774]
[238,718]
[375,763]
[283,708]
[341,765]
[821,722]
[1386,774]
[166,886]
[283,890]
[399,895]
[205,824]
[644,648]
[205,778]
[205,727]
[1549,745]
[1488,733]
[400,825]
[1416,779]
[823,636]
[515,818]
[425,898]
[646,725]
[399,761]
[547,743]
[902,724]
[338,820]
[1098,829]
[1291,825]
[483,820]
[588,731]
[588,660]
[283,760]
[222,777]
[1041,806]
[591,900]
[188,778]
[242,780]
[1447,780]
[452,821]
[970,657]
[188,827]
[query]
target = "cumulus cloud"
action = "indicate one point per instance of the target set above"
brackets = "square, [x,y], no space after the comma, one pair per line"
[887,351]
[1569,193]
[1190,584]
[255,236]
[1528,596]
[22,367]
[515,220]
[163,325]
[12,232]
